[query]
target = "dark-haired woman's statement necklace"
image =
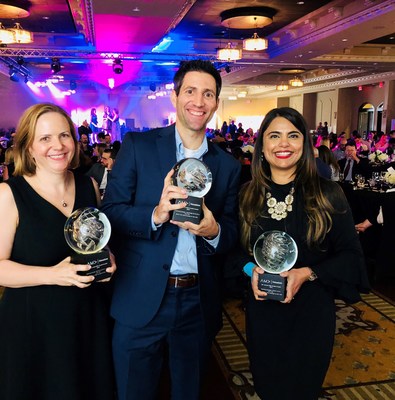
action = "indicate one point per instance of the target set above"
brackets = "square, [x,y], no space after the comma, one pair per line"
[279,209]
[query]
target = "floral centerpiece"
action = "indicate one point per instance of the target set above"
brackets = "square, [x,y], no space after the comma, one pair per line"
[378,157]
[389,176]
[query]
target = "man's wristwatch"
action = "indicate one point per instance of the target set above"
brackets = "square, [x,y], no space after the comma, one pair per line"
[313,276]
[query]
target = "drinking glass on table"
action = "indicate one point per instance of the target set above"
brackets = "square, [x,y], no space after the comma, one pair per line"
[361,182]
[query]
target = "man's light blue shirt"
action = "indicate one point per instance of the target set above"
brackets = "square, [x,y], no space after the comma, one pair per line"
[185,255]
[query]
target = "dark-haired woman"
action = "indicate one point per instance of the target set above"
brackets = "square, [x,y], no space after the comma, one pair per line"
[290,342]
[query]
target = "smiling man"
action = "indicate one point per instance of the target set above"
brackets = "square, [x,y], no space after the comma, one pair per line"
[166,294]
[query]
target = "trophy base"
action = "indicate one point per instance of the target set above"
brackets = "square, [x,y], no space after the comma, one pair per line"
[274,285]
[192,212]
[99,262]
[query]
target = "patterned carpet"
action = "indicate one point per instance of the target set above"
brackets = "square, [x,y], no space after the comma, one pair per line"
[363,359]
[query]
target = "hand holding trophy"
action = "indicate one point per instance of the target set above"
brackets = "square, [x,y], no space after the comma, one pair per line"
[274,252]
[195,177]
[87,231]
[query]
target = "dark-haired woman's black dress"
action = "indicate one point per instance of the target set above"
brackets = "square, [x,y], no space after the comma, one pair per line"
[290,345]
[55,341]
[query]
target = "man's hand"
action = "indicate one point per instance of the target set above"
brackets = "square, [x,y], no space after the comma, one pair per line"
[207,228]
[166,204]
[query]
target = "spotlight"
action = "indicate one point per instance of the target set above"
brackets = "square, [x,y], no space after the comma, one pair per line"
[117,66]
[227,69]
[13,75]
[55,65]
[20,60]
[152,87]
[73,85]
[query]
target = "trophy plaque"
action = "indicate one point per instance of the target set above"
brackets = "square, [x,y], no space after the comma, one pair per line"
[195,177]
[274,252]
[87,231]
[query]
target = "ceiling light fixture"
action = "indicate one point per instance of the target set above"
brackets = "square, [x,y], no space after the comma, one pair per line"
[255,43]
[13,75]
[296,82]
[55,65]
[10,9]
[292,70]
[6,36]
[117,66]
[247,17]
[21,36]
[282,87]
[228,53]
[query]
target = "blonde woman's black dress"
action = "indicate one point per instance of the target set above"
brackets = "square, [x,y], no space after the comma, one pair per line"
[55,341]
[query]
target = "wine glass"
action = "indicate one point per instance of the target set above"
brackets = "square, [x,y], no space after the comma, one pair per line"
[361,182]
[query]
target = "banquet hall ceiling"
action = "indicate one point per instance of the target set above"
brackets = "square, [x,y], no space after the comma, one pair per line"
[335,42]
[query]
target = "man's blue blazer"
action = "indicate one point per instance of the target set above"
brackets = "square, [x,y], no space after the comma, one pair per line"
[144,256]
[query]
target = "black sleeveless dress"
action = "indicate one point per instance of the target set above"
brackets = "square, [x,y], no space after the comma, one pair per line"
[55,341]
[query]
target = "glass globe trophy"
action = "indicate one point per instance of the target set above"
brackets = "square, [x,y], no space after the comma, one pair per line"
[275,252]
[195,177]
[87,231]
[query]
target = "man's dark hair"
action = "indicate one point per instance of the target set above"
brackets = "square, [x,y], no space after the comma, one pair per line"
[113,153]
[101,135]
[199,66]
[351,142]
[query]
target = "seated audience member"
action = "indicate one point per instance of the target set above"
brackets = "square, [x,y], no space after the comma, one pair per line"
[99,171]
[98,149]
[9,166]
[391,149]
[328,158]
[107,140]
[101,137]
[85,129]
[339,150]
[116,145]
[86,148]
[245,162]
[352,164]
[323,169]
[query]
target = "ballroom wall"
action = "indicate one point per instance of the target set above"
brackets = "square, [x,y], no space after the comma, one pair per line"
[339,107]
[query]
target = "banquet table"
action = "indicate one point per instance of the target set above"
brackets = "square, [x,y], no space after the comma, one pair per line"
[378,241]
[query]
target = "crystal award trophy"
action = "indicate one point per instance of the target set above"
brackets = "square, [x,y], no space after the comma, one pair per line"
[195,177]
[274,252]
[87,231]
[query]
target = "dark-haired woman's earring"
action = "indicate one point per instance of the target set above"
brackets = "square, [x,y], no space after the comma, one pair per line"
[261,157]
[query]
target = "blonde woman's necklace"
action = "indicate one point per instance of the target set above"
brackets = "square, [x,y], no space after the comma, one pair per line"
[279,210]
[64,204]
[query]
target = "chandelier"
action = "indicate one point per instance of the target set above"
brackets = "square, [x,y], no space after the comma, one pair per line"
[255,43]
[15,35]
[245,18]
[228,53]
[282,87]
[296,82]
